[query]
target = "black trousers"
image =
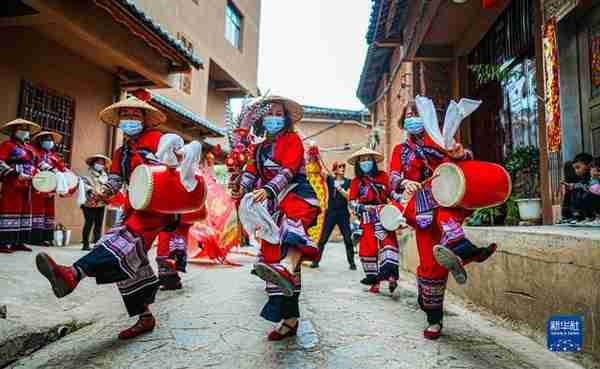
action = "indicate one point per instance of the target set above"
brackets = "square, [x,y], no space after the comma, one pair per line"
[342,220]
[94,217]
[580,204]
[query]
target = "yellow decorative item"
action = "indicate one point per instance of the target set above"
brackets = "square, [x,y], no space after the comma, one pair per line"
[319,184]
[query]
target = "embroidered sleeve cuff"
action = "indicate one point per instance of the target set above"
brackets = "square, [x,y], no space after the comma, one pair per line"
[468,155]
[247,182]
[279,182]
[114,184]
[396,179]
[396,196]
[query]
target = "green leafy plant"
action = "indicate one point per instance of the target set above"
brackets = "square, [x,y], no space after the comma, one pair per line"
[523,166]
[483,217]
[485,73]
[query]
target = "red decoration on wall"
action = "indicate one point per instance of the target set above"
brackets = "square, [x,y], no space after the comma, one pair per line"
[552,87]
[595,57]
[487,4]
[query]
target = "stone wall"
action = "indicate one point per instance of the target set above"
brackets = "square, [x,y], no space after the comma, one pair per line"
[538,272]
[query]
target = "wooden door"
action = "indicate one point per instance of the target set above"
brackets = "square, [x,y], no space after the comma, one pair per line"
[589,55]
[487,133]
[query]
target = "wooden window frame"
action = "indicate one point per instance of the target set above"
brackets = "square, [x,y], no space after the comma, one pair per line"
[48,119]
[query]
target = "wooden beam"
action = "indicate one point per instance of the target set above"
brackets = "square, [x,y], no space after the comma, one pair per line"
[474,34]
[421,29]
[80,19]
[26,20]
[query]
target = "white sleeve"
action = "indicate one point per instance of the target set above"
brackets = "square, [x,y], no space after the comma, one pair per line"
[189,165]
[168,145]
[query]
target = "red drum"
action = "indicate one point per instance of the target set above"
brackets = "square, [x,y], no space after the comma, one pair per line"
[471,184]
[196,216]
[159,189]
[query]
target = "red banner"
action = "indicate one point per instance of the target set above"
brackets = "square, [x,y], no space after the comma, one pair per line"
[219,232]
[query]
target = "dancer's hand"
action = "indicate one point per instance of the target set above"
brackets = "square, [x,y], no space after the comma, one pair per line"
[260,195]
[411,186]
[457,151]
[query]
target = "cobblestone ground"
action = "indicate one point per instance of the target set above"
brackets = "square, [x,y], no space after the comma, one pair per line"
[213,323]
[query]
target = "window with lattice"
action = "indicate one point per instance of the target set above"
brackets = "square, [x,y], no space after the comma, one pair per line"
[52,110]
[185,78]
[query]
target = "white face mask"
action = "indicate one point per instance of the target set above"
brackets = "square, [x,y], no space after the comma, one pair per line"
[98,167]
[47,145]
[22,135]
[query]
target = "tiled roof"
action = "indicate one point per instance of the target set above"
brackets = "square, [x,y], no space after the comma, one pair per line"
[137,12]
[173,106]
[337,114]
[377,59]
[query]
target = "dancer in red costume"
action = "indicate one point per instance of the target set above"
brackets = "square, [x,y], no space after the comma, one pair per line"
[276,176]
[378,248]
[17,165]
[121,255]
[412,164]
[43,204]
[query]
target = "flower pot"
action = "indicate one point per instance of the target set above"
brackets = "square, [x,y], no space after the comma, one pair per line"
[530,209]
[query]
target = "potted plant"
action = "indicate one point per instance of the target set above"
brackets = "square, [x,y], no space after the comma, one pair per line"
[523,166]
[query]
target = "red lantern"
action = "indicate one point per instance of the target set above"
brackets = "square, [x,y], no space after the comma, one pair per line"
[487,4]
[142,94]
[218,150]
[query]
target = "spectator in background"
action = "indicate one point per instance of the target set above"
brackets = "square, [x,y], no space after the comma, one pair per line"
[576,206]
[95,201]
[337,213]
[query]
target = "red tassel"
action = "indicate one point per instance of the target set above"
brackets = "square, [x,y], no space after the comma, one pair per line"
[487,4]
[142,94]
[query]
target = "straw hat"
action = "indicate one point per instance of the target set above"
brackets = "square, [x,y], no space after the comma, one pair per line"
[295,111]
[153,117]
[365,152]
[92,158]
[8,127]
[57,136]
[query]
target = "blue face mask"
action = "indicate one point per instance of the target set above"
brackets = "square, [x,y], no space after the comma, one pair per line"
[273,124]
[414,125]
[47,145]
[366,166]
[131,127]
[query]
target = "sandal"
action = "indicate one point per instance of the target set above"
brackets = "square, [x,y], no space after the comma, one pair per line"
[449,260]
[275,335]
[278,275]
[374,289]
[144,324]
[393,284]
[435,334]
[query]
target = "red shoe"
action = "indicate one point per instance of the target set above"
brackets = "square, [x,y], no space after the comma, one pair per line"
[374,288]
[449,260]
[171,287]
[62,279]
[143,325]
[393,284]
[276,336]
[486,253]
[278,275]
[433,335]
[6,249]
[21,247]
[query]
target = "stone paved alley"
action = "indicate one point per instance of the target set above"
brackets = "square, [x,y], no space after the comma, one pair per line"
[213,323]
